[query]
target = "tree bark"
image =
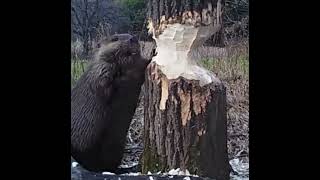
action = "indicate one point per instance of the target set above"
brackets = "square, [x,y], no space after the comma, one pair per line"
[185,126]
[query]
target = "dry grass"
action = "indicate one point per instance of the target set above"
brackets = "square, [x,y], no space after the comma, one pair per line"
[233,70]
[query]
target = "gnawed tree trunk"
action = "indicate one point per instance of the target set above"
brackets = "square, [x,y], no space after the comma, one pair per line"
[185,123]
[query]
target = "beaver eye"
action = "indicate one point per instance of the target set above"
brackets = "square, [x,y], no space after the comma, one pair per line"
[134,40]
[114,39]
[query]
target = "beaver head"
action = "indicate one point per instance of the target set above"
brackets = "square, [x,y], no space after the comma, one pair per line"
[122,51]
[118,48]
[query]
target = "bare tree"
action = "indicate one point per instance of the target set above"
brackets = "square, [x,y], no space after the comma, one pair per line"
[236,20]
[91,17]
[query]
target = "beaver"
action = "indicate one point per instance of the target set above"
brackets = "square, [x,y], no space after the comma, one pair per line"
[103,102]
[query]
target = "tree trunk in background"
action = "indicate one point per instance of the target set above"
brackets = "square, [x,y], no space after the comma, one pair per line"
[217,40]
[185,123]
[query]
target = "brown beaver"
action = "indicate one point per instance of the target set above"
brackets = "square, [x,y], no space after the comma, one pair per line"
[103,103]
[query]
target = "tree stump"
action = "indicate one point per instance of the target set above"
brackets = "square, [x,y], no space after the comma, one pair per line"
[185,123]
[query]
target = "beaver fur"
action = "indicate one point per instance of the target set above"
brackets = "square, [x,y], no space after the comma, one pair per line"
[103,102]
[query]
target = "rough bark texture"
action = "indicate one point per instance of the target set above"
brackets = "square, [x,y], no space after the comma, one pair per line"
[185,126]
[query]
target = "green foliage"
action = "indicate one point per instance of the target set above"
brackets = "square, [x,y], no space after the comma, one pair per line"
[135,11]
[77,69]
[208,63]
